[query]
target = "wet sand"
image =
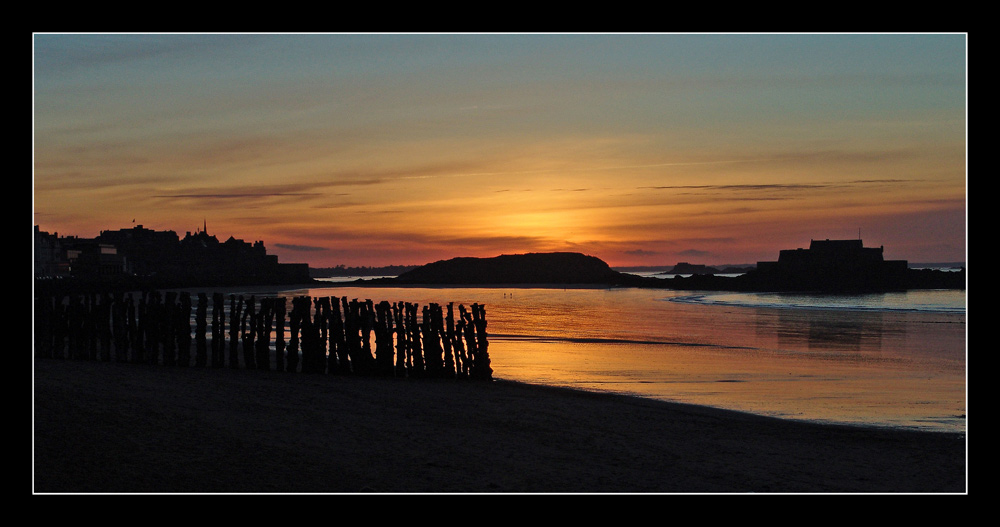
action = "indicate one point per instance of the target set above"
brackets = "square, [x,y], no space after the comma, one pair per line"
[128,428]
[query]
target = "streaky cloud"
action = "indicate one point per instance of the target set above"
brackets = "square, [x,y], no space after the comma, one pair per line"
[303,248]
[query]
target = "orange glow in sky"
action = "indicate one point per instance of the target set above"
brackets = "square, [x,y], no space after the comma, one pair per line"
[369,149]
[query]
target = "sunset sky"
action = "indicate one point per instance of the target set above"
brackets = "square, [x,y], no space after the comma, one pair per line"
[377,149]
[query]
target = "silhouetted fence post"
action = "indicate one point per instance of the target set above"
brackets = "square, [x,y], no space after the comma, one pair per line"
[265,317]
[73,327]
[104,326]
[352,331]
[324,359]
[383,339]
[168,317]
[183,324]
[338,338]
[279,334]
[119,328]
[294,321]
[481,363]
[366,317]
[90,325]
[234,330]
[455,331]
[218,331]
[397,315]
[431,359]
[447,327]
[311,351]
[469,332]
[141,321]
[249,317]
[158,331]
[415,341]
[131,326]
[200,327]
[152,350]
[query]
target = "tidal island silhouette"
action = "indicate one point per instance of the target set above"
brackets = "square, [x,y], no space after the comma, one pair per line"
[830,266]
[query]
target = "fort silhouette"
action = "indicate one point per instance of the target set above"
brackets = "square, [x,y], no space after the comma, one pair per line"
[140,258]
[833,266]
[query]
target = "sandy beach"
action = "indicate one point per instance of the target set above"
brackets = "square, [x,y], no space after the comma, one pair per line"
[128,428]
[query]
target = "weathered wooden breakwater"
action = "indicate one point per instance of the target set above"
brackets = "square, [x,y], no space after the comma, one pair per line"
[326,335]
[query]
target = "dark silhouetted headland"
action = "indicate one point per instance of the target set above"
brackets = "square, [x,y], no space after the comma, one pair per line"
[687,268]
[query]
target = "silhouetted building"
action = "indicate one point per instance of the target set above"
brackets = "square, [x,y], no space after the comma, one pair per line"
[163,258]
[146,251]
[50,255]
[833,265]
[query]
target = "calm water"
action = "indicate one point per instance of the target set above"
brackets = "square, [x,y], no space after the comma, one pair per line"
[896,360]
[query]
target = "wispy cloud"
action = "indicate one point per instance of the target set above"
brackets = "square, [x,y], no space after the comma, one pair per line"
[302,248]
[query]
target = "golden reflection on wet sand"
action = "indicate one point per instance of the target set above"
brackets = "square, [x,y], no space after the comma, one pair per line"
[881,368]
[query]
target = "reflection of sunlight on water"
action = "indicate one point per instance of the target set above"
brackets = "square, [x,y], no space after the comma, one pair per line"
[888,367]
[945,301]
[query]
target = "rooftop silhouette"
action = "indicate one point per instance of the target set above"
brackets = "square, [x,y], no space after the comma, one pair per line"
[148,258]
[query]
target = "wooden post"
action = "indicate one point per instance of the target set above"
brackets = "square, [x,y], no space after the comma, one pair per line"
[265,318]
[184,330]
[104,326]
[90,326]
[397,315]
[367,317]
[74,331]
[153,328]
[235,310]
[249,317]
[131,328]
[168,316]
[218,331]
[461,357]
[200,327]
[325,357]
[279,334]
[415,339]
[469,329]
[338,338]
[447,330]
[294,320]
[308,339]
[119,329]
[141,321]
[482,360]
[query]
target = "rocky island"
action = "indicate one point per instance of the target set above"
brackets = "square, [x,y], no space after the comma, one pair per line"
[831,266]
[530,268]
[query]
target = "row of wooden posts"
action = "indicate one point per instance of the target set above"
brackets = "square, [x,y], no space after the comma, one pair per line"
[324,334]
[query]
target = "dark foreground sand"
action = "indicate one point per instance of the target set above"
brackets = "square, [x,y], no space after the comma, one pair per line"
[126,428]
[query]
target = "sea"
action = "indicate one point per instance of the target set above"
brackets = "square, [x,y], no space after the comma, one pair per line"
[892,360]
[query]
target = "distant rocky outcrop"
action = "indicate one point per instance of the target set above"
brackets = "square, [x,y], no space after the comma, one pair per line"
[576,268]
[530,268]
[686,268]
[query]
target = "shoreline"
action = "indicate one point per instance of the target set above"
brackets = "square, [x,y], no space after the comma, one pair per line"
[130,428]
